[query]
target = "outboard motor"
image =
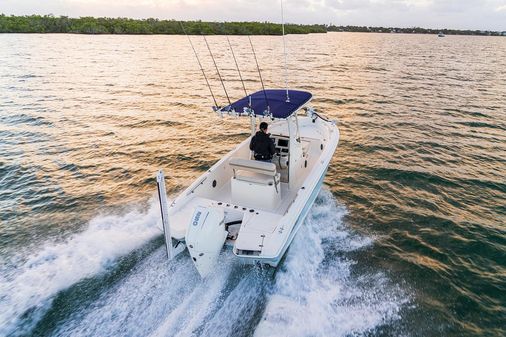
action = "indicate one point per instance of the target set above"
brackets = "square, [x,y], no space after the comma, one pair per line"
[205,237]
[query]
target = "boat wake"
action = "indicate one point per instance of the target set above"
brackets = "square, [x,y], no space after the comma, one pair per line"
[28,287]
[313,294]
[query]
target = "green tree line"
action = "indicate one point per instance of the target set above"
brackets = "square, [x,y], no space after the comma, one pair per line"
[414,30]
[91,25]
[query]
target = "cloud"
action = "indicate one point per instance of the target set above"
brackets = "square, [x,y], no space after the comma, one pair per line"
[456,6]
[501,8]
[348,4]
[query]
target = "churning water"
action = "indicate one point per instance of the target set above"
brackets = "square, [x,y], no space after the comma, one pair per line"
[407,238]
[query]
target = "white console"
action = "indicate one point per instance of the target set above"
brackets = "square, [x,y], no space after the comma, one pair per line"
[255,184]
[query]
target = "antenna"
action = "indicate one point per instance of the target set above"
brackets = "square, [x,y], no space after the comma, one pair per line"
[259,73]
[284,51]
[237,66]
[200,65]
[217,70]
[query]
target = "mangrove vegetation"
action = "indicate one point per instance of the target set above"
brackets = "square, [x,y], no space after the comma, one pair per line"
[91,25]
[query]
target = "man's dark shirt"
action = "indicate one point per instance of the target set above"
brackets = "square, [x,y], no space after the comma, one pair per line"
[262,146]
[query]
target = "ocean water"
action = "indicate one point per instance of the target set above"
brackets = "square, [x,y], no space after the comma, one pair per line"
[407,237]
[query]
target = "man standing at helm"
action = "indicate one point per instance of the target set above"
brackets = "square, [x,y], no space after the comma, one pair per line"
[262,145]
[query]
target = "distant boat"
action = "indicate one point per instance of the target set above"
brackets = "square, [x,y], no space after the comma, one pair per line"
[440,34]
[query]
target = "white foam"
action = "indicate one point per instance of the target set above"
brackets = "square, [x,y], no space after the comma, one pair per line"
[140,301]
[157,298]
[311,296]
[196,308]
[56,266]
[315,295]
[238,310]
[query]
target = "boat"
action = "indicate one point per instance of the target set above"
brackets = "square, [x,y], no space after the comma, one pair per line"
[253,208]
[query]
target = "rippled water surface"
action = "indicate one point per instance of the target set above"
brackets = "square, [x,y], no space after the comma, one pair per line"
[407,238]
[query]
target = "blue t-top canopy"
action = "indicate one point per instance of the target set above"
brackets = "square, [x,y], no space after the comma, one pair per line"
[275,99]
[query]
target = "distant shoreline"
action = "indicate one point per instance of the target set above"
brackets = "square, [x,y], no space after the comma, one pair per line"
[90,25]
[413,30]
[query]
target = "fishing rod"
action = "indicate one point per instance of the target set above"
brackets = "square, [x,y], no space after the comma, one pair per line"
[237,66]
[259,74]
[284,50]
[200,65]
[217,70]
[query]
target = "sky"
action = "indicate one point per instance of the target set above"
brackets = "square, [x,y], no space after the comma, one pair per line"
[459,14]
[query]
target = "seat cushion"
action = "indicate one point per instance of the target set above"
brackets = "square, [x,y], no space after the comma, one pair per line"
[257,178]
[253,166]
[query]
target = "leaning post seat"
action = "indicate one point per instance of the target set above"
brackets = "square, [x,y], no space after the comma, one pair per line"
[255,183]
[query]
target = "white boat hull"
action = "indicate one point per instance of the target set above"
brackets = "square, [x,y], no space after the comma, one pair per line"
[274,261]
[263,204]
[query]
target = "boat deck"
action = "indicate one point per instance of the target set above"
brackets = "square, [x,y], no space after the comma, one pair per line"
[287,196]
